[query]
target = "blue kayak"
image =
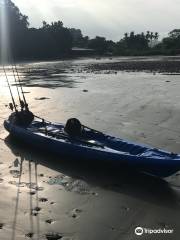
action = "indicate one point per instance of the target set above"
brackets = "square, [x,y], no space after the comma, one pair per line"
[94,145]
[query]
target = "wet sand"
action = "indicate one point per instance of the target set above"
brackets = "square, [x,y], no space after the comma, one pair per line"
[45,197]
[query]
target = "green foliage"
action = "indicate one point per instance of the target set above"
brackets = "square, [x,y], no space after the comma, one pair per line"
[16,20]
[50,41]
[131,43]
[15,25]
[175,34]
[173,41]
[55,41]
[99,44]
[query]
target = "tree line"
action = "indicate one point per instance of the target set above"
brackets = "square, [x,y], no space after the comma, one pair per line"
[53,40]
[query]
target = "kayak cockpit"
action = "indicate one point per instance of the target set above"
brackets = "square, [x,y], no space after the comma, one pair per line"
[88,137]
[58,132]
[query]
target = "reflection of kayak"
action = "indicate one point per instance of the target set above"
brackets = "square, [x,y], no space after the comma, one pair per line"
[91,144]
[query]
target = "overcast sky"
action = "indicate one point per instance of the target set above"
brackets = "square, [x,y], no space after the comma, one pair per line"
[109,18]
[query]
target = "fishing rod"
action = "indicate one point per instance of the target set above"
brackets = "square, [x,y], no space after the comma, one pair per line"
[14,104]
[20,101]
[23,104]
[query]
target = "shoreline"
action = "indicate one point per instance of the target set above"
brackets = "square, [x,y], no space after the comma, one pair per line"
[156,66]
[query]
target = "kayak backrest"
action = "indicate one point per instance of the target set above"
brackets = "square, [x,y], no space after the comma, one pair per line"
[73,127]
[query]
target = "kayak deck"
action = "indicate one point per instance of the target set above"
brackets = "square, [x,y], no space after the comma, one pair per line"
[56,131]
[97,139]
[95,145]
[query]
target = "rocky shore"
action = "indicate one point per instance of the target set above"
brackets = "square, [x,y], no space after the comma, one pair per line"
[159,66]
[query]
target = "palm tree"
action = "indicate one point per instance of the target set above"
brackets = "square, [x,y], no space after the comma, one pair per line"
[148,35]
[151,38]
[132,34]
[126,35]
[156,36]
[142,34]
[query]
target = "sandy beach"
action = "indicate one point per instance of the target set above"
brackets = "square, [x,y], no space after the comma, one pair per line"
[48,198]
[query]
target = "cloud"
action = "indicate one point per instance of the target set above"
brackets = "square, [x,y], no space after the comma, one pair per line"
[105,17]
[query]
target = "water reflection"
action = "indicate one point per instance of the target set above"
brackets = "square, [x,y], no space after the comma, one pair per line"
[124,181]
[44,74]
[17,201]
[46,77]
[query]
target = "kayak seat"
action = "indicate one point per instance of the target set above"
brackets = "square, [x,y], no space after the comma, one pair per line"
[73,127]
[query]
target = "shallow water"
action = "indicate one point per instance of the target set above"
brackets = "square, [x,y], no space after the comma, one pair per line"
[83,202]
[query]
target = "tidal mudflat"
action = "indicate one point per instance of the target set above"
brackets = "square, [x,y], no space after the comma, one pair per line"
[45,197]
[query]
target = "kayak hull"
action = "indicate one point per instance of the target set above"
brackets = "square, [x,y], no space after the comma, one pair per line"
[96,146]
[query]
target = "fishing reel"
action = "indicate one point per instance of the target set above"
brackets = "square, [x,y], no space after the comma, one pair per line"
[22,104]
[11,106]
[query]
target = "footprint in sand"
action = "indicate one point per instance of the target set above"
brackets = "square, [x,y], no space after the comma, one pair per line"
[49,221]
[34,186]
[43,199]
[1,225]
[35,211]
[1,180]
[41,175]
[29,235]
[75,213]
[34,214]
[39,188]
[32,193]
[53,236]
[125,208]
[21,184]
[15,173]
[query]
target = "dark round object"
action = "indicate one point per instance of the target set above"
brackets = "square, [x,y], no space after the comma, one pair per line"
[73,127]
[23,118]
